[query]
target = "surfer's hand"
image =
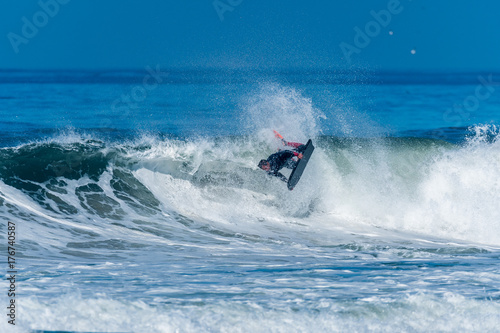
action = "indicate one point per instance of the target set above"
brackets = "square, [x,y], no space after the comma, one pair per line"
[300,155]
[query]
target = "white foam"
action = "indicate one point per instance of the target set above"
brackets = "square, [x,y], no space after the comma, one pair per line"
[416,313]
[447,192]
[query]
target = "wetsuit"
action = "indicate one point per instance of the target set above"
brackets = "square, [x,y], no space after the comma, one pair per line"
[283,159]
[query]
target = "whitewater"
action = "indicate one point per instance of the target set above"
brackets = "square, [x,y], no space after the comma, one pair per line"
[154,232]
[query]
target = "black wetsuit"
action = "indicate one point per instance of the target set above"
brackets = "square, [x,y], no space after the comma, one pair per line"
[283,159]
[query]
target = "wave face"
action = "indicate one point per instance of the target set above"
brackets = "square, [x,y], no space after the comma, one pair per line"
[188,234]
[425,186]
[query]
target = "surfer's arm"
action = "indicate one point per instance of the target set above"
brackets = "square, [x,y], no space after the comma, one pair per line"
[279,175]
[293,144]
[296,145]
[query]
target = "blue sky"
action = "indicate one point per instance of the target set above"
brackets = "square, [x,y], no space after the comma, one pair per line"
[76,34]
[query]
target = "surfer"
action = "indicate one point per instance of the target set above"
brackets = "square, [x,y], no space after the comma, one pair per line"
[282,159]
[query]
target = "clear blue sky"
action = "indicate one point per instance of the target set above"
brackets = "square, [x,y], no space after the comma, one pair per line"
[89,34]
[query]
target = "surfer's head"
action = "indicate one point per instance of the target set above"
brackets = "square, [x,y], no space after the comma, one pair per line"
[264,165]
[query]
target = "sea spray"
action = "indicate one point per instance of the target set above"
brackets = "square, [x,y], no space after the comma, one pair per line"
[275,107]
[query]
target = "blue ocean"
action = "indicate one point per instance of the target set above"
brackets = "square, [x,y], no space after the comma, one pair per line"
[138,205]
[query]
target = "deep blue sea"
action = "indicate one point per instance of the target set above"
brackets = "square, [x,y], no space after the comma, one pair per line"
[138,206]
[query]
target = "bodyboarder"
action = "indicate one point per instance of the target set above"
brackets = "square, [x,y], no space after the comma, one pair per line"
[282,159]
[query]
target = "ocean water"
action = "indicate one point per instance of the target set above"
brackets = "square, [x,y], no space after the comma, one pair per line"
[138,205]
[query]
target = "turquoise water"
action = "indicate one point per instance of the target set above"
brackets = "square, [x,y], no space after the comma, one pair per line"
[139,207]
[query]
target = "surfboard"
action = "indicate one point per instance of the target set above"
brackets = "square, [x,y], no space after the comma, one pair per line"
[301,165]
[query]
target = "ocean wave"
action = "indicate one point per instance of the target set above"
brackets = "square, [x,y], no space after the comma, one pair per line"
[425,186]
